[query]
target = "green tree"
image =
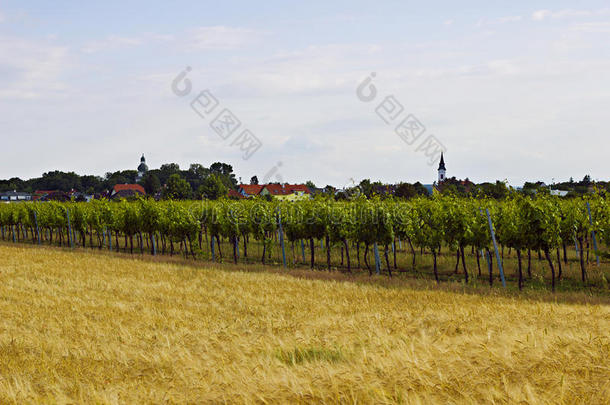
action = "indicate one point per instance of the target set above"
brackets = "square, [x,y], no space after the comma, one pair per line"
[225,174]
[151,183]
[195,175]
[366,187]
[499,189]
[405,190]
[177,188]
[166,170]
[212,188]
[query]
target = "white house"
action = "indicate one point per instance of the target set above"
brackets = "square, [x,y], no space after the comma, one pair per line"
[560,193]
[11,196]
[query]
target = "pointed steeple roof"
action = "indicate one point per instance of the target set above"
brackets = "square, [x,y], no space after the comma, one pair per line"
[441,165]
[142,168]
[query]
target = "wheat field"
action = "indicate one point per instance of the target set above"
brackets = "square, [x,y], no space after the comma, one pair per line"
[88,327]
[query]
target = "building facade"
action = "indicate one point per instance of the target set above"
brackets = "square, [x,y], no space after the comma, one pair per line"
[14,196]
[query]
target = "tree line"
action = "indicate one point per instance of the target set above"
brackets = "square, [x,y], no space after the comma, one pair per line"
[193,182]
[196,182]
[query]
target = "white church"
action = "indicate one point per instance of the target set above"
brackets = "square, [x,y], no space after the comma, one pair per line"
[442,170]
[442,176]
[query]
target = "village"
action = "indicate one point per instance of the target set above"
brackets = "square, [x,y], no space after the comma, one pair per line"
[219,181]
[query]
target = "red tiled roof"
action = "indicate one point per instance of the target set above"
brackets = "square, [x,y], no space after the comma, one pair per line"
[276,189]
[234,194]
[131,187]
[286,189]
[55,196]
[251,189]
[41,193]
[297,187]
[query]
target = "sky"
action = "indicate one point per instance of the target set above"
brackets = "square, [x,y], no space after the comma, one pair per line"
[511,91]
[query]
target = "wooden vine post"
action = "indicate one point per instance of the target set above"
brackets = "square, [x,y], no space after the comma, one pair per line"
[213,250]
[593,233]
[70,230]
[377,259]
[303,250]
[281,231]
[37,228]
[493,238]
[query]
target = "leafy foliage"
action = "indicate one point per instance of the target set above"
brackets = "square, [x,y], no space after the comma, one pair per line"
[545,223]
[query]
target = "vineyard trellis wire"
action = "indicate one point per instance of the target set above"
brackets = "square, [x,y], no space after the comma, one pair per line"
[544,224]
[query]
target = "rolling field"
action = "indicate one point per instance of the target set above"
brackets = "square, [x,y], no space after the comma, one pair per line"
[90,327]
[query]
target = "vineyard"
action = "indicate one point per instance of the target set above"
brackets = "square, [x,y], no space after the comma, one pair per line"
[444,237]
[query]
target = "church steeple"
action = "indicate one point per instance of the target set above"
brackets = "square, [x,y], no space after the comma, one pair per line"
[142,168]
[442,170]
[441,165]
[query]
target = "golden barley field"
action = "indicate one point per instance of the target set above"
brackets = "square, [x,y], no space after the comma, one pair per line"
[88,327]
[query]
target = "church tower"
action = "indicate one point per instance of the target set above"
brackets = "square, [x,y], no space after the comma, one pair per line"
[142,168]
[442,171]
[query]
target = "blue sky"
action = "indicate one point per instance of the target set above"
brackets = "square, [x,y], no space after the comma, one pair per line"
[512,90]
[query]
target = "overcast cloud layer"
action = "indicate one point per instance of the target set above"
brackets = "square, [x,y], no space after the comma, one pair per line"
[516,92]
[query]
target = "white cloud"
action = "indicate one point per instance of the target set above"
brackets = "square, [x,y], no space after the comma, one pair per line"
[492,68]
[510,18]
[110,43]
[114,42]
[200,38]
[162,37]
[592,27]
[314,69]
[222,38]
[540,15]
[31,69]
[500,20]
[2,18]
[448,22]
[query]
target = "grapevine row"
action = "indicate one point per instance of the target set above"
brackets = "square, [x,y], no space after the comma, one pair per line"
[544,224]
